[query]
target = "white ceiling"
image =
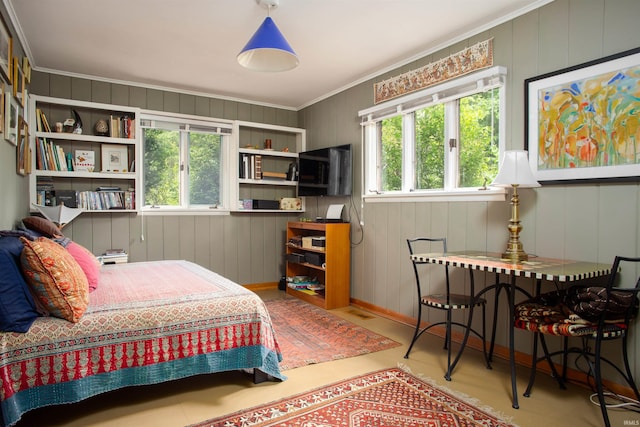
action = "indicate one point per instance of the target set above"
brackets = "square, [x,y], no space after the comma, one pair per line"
[191,45]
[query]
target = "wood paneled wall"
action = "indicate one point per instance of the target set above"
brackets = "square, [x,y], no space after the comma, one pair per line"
[245,247]
[585,222]
[588,222]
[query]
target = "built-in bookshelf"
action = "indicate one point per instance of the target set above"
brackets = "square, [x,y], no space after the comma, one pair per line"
[84,154]
[267,158]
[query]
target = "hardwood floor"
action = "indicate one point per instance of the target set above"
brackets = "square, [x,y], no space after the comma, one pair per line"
[196,399]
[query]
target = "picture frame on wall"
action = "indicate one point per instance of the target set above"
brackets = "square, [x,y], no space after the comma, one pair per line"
[578,121]
[11,118]
[22,153]
[6,51]
[19,82]
[2,86]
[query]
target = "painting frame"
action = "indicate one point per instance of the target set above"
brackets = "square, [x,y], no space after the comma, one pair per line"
[11,117]
[566,120]
[6,51]
[19,82]
[115,158]
[23,158]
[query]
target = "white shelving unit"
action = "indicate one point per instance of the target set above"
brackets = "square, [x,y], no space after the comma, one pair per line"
[58,110]
[250,138]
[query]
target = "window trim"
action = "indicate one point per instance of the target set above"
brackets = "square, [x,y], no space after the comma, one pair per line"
[224,127]
[494,77]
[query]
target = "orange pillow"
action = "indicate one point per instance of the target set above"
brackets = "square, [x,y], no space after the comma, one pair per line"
[56,278]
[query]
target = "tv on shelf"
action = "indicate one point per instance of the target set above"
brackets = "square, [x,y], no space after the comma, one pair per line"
[325,172]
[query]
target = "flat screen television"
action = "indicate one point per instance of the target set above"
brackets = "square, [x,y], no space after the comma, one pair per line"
[325,172]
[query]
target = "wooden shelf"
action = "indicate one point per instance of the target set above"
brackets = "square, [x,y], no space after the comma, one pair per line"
[334,274]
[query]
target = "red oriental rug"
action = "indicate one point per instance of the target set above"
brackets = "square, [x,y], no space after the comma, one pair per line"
[308,334]
[386,398]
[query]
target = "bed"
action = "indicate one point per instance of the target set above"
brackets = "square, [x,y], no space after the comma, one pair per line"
[146,323]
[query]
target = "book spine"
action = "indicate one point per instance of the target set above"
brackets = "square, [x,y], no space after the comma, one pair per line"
[258,167]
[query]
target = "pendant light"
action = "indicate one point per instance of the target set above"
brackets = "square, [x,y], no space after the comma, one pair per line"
[268,50]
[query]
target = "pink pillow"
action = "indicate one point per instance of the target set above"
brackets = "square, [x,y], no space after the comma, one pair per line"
[87,261]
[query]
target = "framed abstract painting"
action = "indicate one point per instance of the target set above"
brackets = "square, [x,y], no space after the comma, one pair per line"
[582,123]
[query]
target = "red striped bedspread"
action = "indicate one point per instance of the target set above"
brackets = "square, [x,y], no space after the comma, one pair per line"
[147,323]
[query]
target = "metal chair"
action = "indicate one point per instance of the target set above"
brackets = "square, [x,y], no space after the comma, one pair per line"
[593,314]
[448,302]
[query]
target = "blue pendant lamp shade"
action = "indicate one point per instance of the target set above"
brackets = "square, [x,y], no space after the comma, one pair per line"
[268,50]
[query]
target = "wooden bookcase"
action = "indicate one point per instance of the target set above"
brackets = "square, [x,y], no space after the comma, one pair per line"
[334,273]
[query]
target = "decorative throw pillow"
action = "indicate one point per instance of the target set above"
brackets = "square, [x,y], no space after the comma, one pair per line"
[17,308]
[55,278]
[42,226]
[87,261]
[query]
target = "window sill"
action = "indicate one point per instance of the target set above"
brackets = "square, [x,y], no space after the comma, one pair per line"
[149,211]
[463,195]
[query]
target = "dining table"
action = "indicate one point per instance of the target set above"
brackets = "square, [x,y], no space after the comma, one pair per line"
[562,271]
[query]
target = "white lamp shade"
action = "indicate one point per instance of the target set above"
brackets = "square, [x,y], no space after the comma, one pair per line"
[268,50]
[515,170]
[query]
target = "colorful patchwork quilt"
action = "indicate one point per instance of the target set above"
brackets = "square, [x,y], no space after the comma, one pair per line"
[147,323]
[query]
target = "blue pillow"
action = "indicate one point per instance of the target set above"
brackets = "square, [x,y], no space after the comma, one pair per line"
[17,307]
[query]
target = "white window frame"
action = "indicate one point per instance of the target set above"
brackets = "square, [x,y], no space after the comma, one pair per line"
[186,121]
[449,91]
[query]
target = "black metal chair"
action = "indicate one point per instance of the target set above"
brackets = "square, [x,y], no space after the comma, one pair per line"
[593,314]
[445,301]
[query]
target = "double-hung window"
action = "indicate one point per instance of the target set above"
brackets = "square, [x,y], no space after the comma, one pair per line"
[443,141]
[185,163]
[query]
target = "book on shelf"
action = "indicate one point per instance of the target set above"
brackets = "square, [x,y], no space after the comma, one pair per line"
[50,156]
[250,166]
[122,127]
[84,160]
[274,175]
[42,125]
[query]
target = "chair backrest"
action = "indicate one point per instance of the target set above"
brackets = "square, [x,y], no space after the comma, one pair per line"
[415,244]
[607,303]
[631,308]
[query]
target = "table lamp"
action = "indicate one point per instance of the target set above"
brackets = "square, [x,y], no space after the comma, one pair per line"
[515,172]
[60,214]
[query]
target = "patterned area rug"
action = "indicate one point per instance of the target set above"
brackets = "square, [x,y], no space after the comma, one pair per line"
[386,398]
[308,334]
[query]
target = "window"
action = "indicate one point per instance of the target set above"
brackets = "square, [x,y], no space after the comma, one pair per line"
[184,165]
[445,139]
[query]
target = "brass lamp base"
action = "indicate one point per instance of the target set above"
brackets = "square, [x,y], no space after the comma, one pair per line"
[515,256]
[514,252]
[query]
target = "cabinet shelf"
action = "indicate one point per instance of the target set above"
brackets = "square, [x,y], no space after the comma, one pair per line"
[83,174]
[263,181]
[87,138]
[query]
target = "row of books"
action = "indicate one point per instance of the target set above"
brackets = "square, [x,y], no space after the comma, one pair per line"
[250,166]
[50,156]
[122,127]
[87,200]
[105,200]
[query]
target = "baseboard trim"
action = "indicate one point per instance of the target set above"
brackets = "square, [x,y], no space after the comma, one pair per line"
[261,286]
[522,359]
